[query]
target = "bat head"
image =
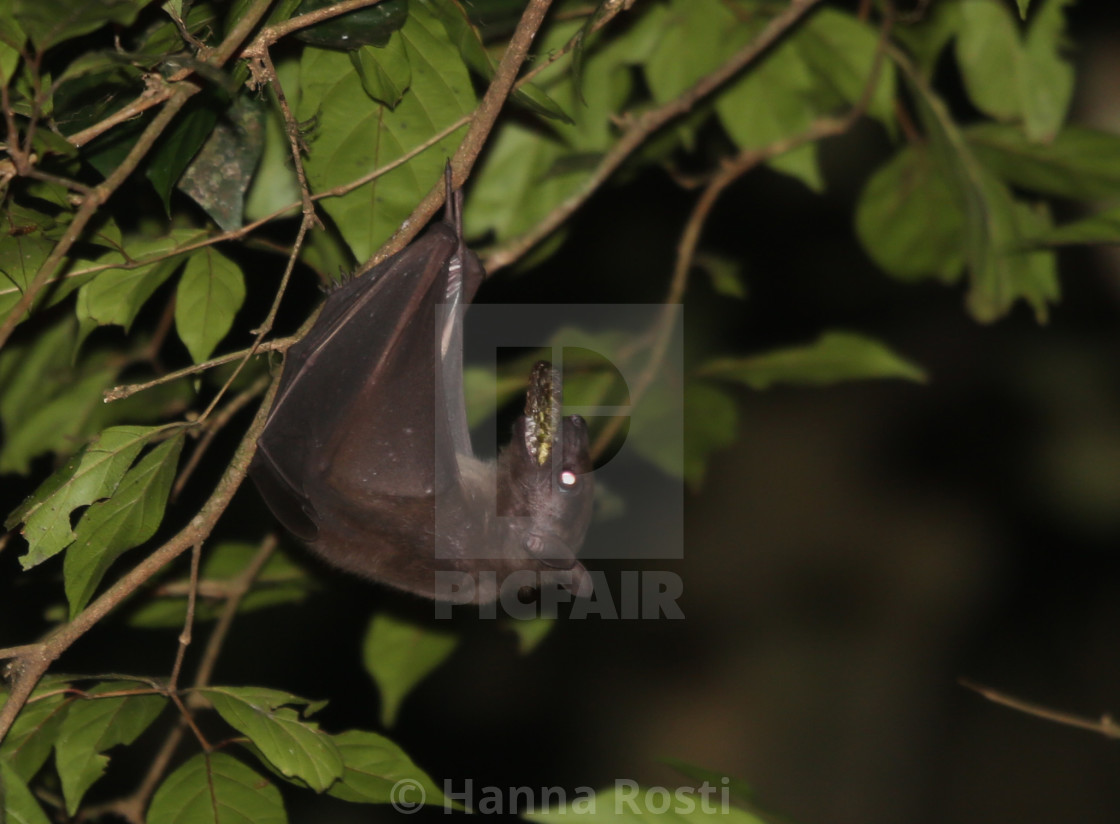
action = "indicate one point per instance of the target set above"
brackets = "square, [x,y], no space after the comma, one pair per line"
[545,482]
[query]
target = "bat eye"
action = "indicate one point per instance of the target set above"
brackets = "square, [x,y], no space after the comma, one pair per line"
[534,544]
[568,479]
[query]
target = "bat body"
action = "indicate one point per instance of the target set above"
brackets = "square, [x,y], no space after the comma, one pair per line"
[366,455]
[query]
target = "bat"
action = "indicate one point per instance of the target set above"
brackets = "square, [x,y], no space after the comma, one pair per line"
[366,456]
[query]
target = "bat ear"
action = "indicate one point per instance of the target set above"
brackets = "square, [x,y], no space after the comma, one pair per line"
[453,202]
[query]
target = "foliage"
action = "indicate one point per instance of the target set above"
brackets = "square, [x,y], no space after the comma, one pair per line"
[149,186]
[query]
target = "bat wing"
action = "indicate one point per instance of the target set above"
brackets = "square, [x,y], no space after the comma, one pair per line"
[367,410]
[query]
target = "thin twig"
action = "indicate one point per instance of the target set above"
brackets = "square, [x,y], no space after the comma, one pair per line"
[188,621]
[118,393]
[134,805]
[213,427]
[1105,725]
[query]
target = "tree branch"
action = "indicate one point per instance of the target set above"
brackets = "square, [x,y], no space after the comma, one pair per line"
[482,122]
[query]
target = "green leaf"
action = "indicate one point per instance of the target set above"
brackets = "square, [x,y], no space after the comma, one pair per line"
[12,38]
[215,788]
[177,148]
[294,746]
[398,655]
[771,102]
[1080,163]
[356,135]
[909,219]
[17,803]
[49,22]
[996,227]
[465,37]
[374,766]
[87,477]
[25,243]
[127,519]
[95,725]
[1100,228]
[711,420]
[1023,6]
[210,293]
[371,26]
[48,402]
[832,358]
[27,745]
[841,50]
[1012,78]
[630,802]
[115,296]
[385,72]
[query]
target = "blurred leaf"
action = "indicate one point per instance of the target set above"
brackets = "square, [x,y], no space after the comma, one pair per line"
[210,294]
[711,421]
[773,101]
[219,175]
[374,766]
[737,788]
[398,655]
[95,725]
[215,788]
[89,476]
[996,227]
[1099,228]
[294,746]
[357,135]
[927,38]
[909,220]
[530,632]
[18,802]
[371,26]
[1023,6]
[385,72]
[1080,163]
[49,22]
[724,273]
[832,358]
[280,581]
[840,49]
[127,519]
[1013,78]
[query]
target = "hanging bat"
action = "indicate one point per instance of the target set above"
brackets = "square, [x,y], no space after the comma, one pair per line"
[366,455]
